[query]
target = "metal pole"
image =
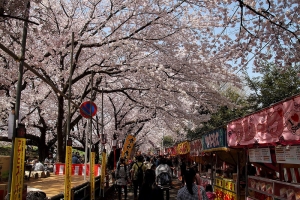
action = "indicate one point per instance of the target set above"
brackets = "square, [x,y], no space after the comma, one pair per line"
[68,141]
[246,173]
[91,143]
[102,137]
[91,117]
[114,158]
[70,83]
[85,156]
[238,176]
[162,143]
[18,97]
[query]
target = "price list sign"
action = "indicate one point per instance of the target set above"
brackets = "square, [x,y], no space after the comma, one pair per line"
[290,155]
[261,155]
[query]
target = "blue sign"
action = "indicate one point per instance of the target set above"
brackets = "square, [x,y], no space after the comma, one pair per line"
[214,139]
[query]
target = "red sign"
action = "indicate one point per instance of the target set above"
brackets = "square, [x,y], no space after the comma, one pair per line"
[88,109]
[277,124]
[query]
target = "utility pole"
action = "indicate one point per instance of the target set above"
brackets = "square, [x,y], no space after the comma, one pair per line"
[17,106]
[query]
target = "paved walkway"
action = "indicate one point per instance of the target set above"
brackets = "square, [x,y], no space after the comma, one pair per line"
[173,192]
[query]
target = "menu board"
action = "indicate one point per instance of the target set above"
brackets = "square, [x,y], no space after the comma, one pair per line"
[262,155]
[290,155]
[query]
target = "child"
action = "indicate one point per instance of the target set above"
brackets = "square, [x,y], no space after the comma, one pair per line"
[209,192]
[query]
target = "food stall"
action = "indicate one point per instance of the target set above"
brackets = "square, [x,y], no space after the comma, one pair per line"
[182,151]
[225,165]
[271,140]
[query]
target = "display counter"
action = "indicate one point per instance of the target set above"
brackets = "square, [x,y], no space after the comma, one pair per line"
[263,188]
[225,189]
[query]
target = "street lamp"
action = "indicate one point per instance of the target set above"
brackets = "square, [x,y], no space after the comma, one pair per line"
[114,146]
[120,144]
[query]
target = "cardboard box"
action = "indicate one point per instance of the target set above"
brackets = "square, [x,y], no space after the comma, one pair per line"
[4,168]
[3,191]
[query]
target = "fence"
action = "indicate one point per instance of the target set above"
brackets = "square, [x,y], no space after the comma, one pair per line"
[80,192]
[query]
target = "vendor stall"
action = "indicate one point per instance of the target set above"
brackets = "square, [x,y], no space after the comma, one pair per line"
[221,165]
[271,139]
[182,151]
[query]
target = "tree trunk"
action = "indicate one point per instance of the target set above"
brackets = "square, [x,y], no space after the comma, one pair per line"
[60,135]
[43,150]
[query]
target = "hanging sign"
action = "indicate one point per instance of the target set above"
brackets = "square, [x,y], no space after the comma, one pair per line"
[196,147]
[279,123]
[88,109]
[92,173]
[68,170]
[214,139]
[171,151]
[103,167]
[290,155]
[128,146]
[18,169]
[261,155]
[183,148]
[18,164]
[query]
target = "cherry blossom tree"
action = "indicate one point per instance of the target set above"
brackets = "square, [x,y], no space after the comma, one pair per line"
[164,59]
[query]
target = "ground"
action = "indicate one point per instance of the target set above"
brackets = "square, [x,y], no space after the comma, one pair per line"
[173,192]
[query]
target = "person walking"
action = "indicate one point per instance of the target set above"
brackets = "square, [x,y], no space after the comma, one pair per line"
[150,190]
[138,170]
[191,191]
[182,171]
[122,174]
[164,177]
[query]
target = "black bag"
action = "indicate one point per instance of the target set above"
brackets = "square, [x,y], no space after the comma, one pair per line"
[36,195]
[163,179]
[140,173]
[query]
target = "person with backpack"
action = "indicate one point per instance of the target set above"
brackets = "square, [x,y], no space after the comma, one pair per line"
[138,170]
[164,176]
[150,191]
[122,177]
[191,191]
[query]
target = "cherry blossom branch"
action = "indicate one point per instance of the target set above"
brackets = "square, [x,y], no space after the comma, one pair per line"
[19,18]
[267,18]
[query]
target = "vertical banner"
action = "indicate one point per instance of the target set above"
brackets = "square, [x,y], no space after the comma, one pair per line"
[92,173]
[18,169]
[103,167]
[68,170]
[128,146]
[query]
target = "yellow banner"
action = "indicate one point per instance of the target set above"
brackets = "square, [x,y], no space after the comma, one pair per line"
[68,173]
[92,175]
[128,146]
[18,169]
[103,167]
[183,148]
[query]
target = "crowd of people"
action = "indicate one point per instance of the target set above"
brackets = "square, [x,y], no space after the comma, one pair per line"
[151,177]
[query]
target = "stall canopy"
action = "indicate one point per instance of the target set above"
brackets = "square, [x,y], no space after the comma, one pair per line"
[278,124]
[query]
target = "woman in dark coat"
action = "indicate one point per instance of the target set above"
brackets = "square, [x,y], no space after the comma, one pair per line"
[150,190]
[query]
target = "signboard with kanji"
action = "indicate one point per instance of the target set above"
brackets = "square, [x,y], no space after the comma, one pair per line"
[128,146]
